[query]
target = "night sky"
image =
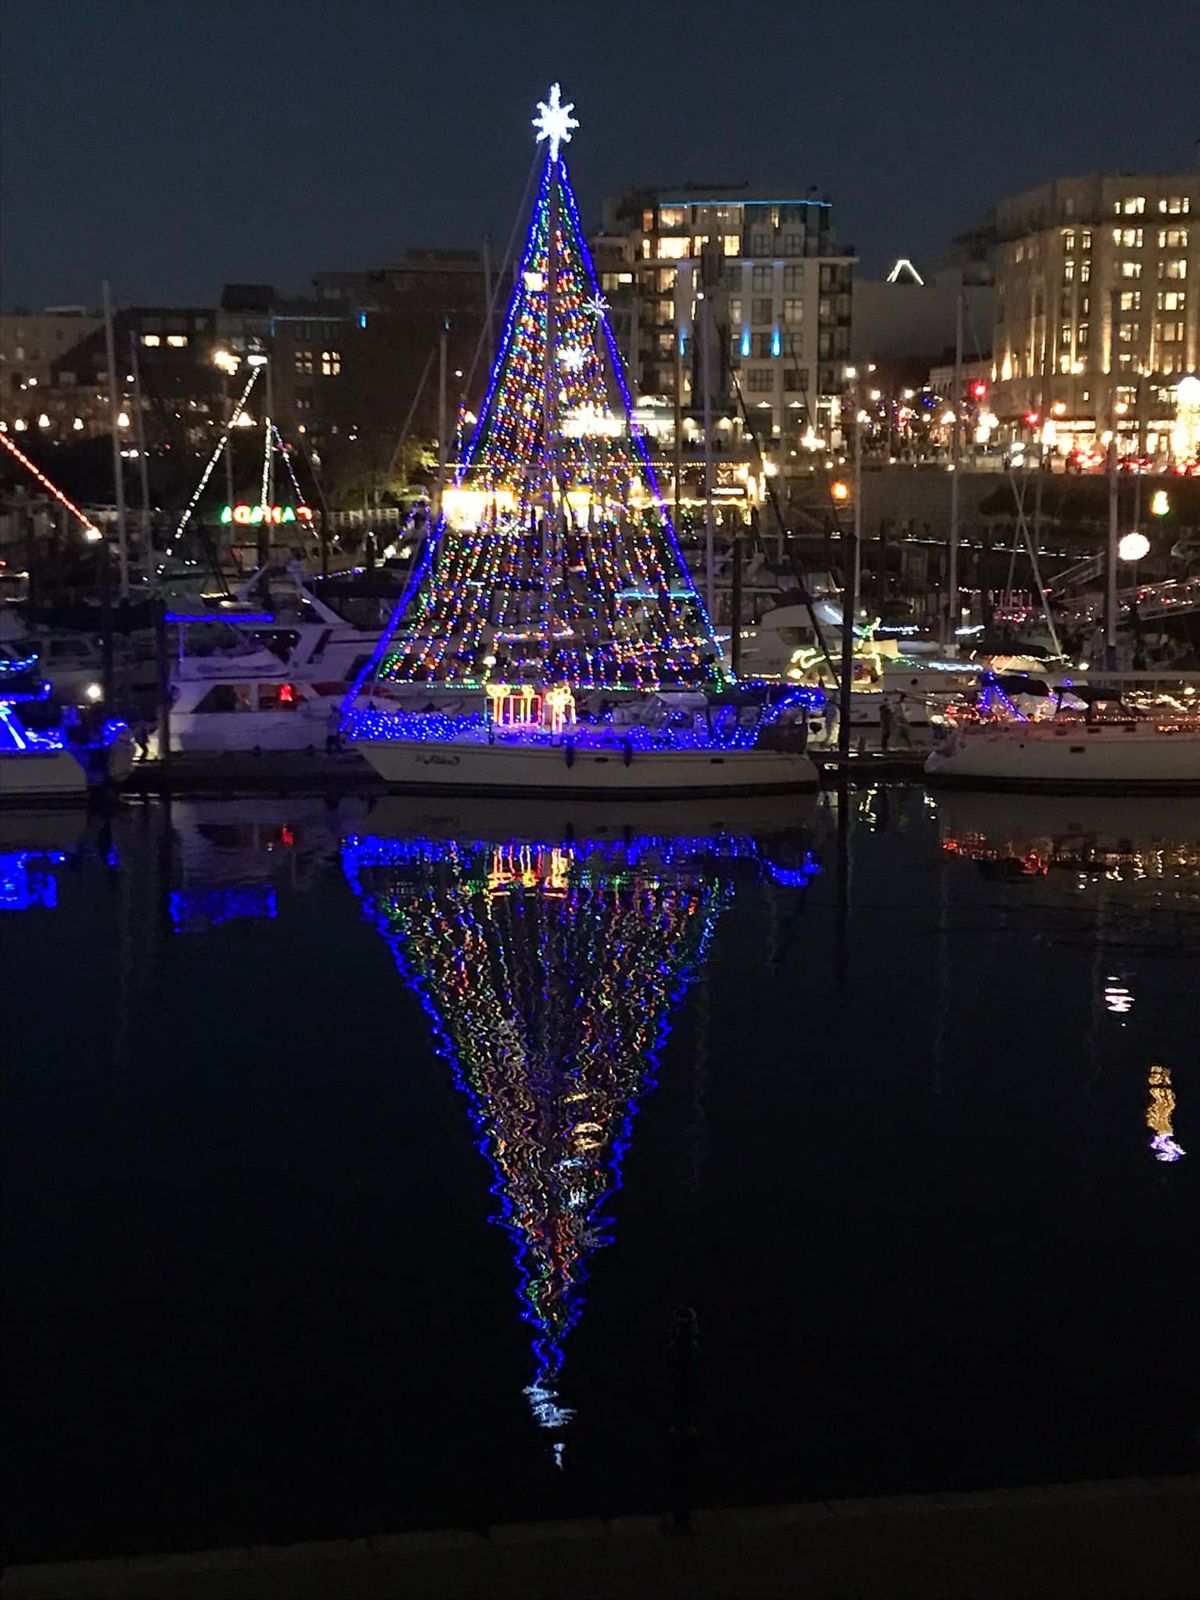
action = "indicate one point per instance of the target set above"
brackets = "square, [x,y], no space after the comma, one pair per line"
[174,145]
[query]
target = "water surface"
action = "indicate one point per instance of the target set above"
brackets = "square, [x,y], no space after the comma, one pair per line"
[440,1164]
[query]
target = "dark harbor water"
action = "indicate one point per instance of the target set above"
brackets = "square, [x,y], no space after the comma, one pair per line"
[426,1166]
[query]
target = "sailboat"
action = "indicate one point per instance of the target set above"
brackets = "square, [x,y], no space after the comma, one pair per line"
[552,640]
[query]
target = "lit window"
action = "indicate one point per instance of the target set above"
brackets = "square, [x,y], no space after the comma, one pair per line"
[151,341]
[733,244]
[1134,205]
[1172,299]
[1083,336]
[1131,300]
[672,216]
[1171,332]
[735,312]
[793,311]
[1085,272]
[672,249]
[1127,332]
[1172,238]
[1085,239]
[1069,240]
[1176,268]
[1064,336]
[1176,205]
[304,362]
[1069,269]
[331,363]
[1131,269]
[1131,238]
[177,341]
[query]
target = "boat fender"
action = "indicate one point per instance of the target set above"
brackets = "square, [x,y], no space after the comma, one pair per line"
[627,746]
[569,748]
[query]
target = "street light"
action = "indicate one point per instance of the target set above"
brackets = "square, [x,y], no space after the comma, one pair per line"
[1133,546]
[227,361]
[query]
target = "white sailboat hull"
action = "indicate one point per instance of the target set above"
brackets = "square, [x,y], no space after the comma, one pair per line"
[1097,756]
[515,769]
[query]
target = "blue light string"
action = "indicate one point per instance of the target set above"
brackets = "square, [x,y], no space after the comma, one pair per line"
[547,1345]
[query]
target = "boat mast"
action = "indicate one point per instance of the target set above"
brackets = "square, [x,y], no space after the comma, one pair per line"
[550,396]
[114,422]
[951,634]
[554,123]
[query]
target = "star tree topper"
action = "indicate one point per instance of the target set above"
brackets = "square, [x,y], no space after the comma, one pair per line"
[554,121]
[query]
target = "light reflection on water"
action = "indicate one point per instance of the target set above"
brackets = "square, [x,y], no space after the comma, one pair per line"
[904,1054]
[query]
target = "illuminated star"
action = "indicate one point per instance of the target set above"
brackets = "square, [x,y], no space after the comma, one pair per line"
[554,121]
[573,358]
[596,306]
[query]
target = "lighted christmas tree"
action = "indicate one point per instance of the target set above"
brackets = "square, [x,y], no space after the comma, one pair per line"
[549,974]
[555,560]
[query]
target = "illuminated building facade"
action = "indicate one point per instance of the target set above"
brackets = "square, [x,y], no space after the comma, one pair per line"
[780,289]
[1097,309]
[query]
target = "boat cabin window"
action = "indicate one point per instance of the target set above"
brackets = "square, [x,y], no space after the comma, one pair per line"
[226,697]
[68,650]
[277,697]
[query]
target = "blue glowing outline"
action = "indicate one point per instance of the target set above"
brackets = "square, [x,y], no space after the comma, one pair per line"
[365,852]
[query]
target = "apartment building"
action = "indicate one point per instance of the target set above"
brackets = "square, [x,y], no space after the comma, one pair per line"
[30,346]
[1097,302]
[764,280]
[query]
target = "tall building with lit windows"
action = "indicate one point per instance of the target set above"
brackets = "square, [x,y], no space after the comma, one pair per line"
[779,287]
[1097,301]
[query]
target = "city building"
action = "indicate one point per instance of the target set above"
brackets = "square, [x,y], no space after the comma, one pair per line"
[389,360]
[30,346]
[777,288]
[1097,310]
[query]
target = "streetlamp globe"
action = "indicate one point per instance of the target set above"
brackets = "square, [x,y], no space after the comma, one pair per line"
[1187,390]
[1133,547]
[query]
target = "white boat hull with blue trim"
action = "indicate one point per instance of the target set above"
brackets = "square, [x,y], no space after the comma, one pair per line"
[503,767]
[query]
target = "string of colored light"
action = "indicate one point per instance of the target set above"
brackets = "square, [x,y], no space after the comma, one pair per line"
[89,527]
[209,469]
[287,461]
[478,578]
[549,974]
